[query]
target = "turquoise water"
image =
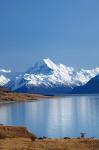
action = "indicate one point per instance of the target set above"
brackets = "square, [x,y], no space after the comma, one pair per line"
[57,117]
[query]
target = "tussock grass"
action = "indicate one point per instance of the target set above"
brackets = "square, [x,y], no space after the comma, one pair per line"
[48,144]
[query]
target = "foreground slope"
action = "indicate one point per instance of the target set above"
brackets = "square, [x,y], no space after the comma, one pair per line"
[48,144]
[19,138]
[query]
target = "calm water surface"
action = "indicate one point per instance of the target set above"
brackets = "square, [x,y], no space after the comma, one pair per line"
[58,117]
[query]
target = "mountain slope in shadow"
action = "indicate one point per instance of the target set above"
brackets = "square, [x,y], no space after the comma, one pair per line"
[92,87]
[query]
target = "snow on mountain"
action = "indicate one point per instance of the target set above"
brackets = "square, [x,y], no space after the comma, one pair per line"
[45,66]
[6,76]
[83,75]
[46,75]
[4,79]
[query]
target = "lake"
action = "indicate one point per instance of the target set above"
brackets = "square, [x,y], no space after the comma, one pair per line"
[55,117]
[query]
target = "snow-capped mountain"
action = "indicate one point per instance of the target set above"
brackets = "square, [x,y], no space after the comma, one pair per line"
[46,77]
[48,73]
[6,76]
[4,79]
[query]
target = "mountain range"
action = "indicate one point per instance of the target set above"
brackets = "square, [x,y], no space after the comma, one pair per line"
[46,77]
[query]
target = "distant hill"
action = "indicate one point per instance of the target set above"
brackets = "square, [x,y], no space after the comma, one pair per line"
[6,95]
[92,87]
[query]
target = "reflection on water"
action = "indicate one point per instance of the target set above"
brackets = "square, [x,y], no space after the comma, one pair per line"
[58,117]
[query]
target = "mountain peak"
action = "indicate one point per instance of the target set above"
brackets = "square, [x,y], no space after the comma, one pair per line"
[45,66]
[49,63]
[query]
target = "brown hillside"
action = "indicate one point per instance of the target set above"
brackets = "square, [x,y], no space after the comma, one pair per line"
[6,95]
[14,132]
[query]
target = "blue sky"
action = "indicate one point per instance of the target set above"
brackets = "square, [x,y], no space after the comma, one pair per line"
[67,31]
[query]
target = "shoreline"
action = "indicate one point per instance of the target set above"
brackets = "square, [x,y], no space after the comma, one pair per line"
[8,97]
[18,137]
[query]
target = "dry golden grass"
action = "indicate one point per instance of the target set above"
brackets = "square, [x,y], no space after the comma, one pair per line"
[48,144]
[15,132]
[18,138]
